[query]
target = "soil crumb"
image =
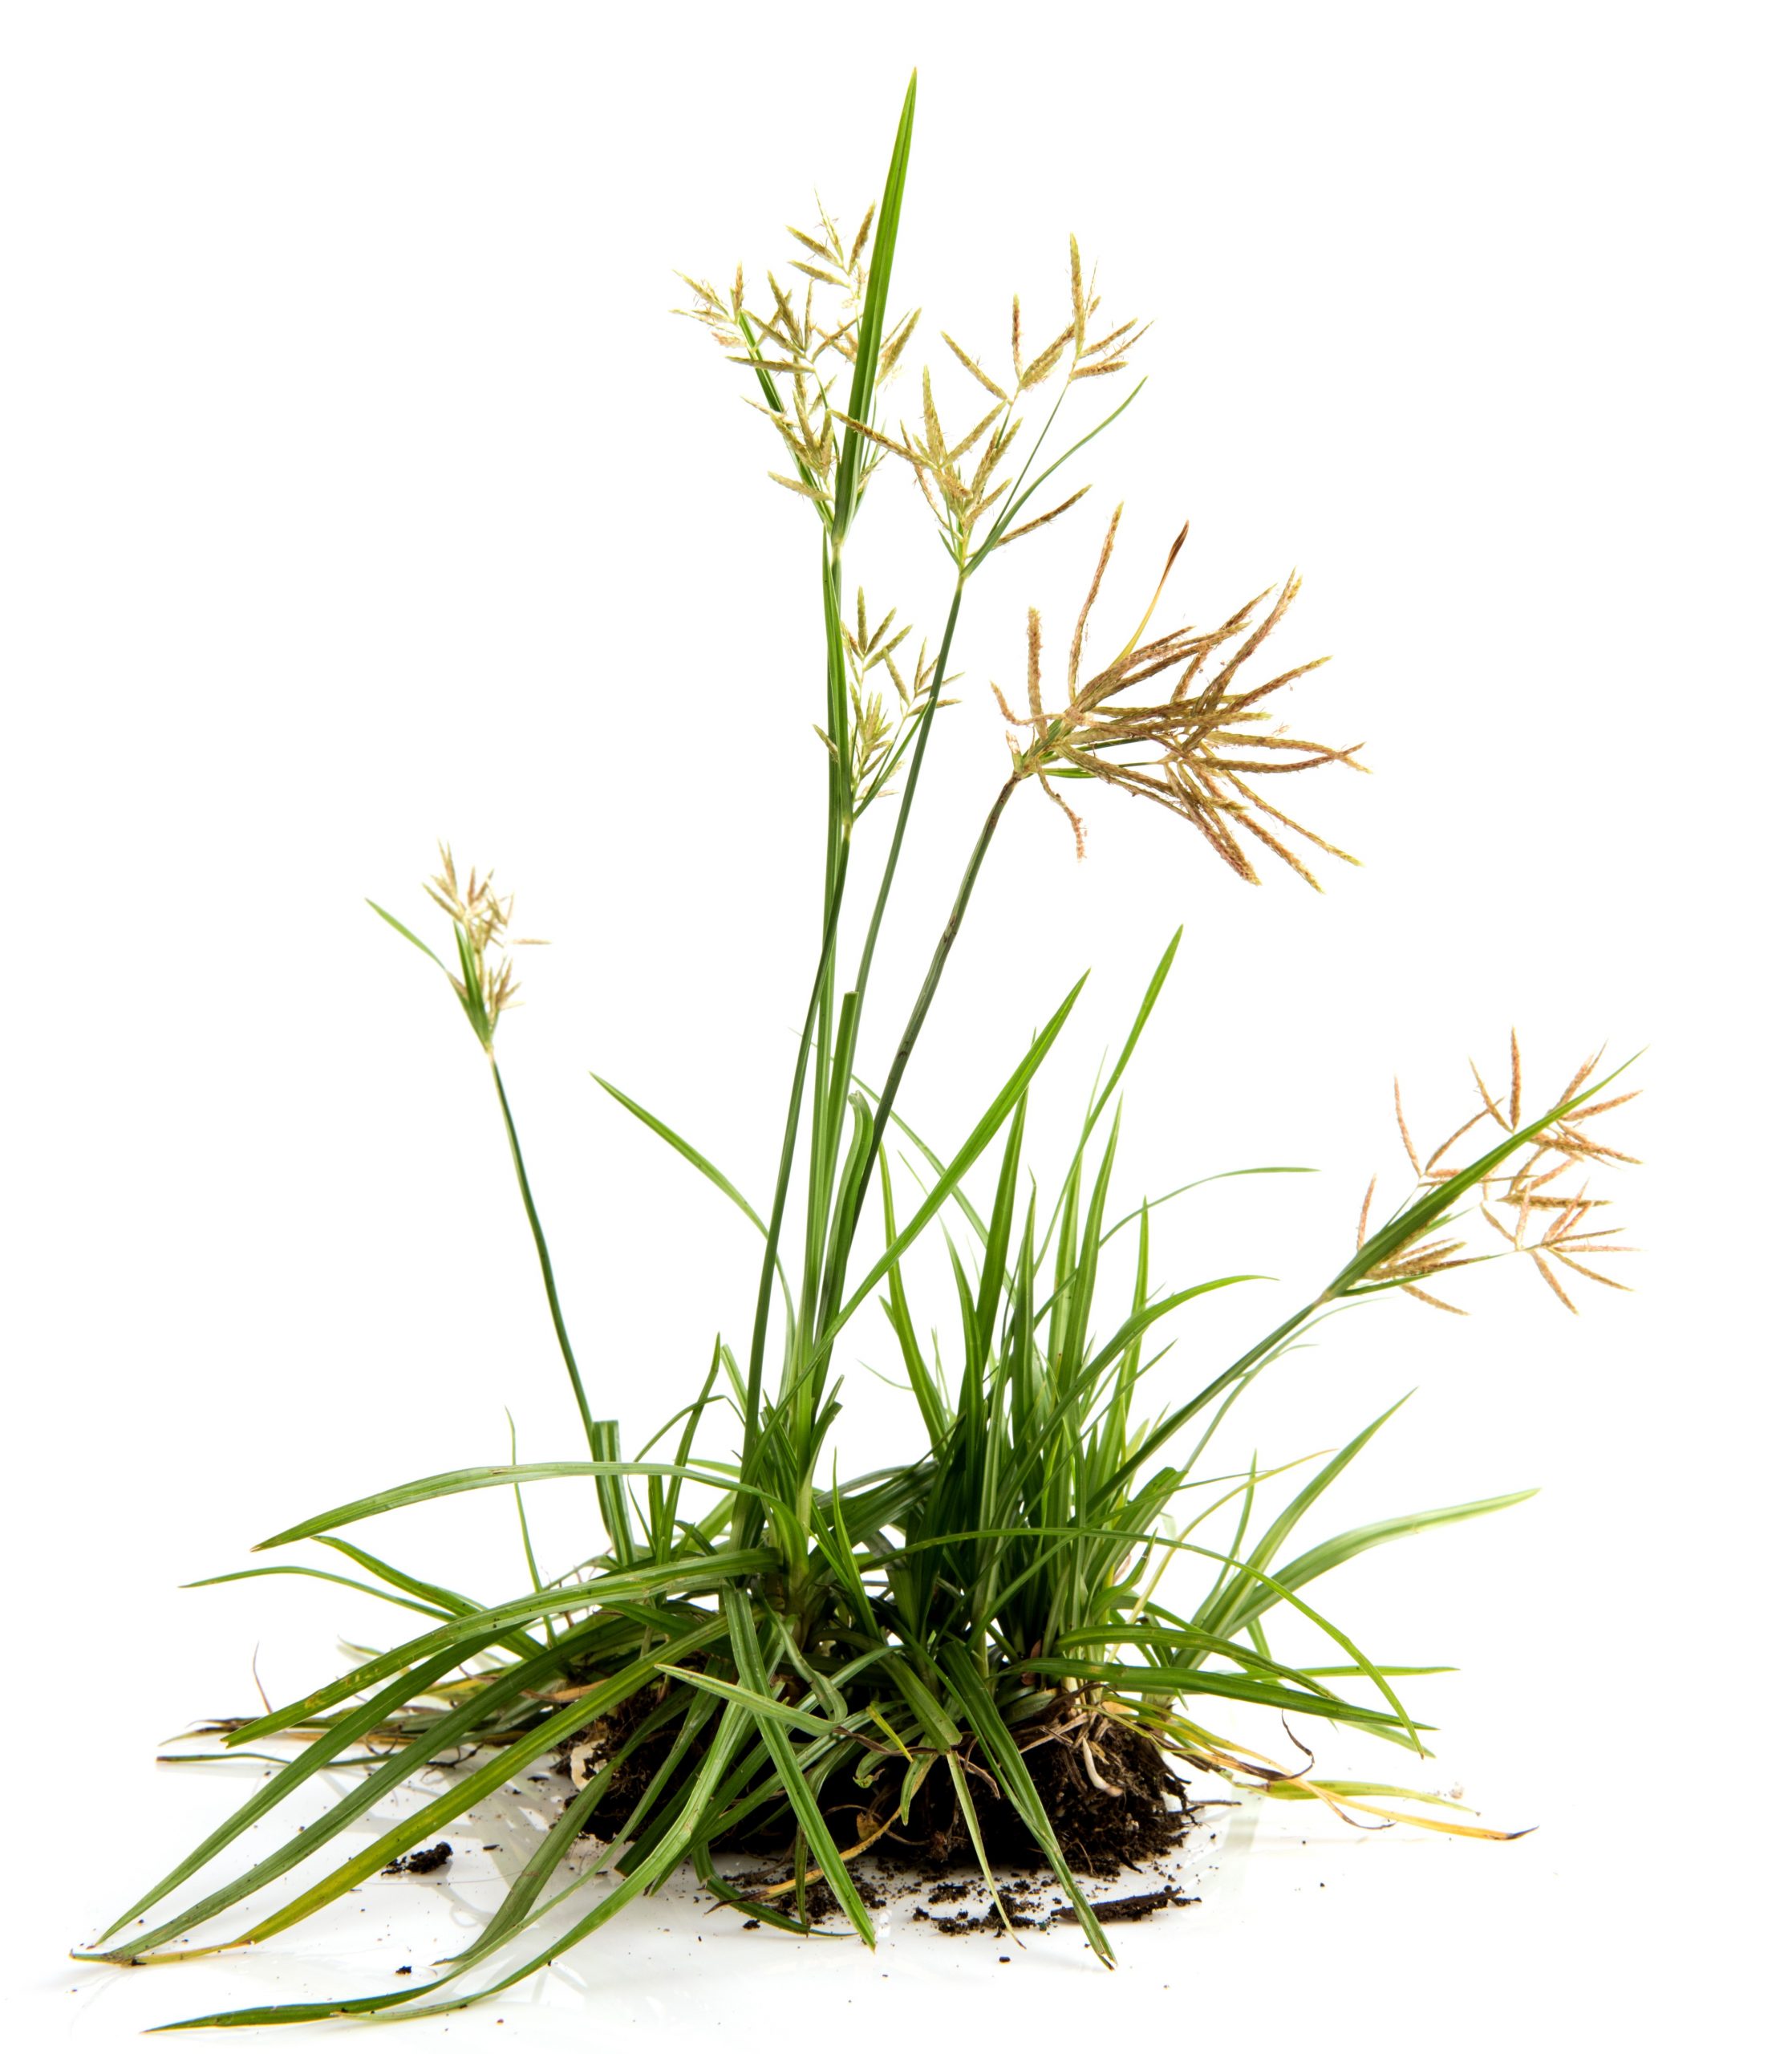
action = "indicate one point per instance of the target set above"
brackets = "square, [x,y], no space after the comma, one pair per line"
[1127,1910]
[422,1862]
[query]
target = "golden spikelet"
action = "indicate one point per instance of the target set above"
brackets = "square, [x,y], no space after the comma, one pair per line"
[797,353]
[488,987]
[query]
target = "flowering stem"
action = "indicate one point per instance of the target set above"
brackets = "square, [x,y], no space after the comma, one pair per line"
[911,1034]
[546,1262]
[747,1511]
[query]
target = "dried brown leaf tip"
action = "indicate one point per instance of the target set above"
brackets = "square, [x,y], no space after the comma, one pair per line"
[1195,744]
[1537,1198]
[805,332]
[487,985]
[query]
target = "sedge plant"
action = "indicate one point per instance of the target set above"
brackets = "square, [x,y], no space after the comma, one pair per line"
[973,1651]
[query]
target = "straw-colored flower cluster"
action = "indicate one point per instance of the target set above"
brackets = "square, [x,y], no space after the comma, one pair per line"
[881,732]
[958,473]
[1199,744]
[802,345]
[487,985]
[1553,1227]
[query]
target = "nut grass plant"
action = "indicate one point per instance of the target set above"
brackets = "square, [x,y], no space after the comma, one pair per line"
[969,1646]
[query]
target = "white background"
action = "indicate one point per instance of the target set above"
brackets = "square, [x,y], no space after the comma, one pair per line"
[359,488]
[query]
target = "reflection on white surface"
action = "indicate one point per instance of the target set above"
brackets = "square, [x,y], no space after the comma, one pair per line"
[676,1960]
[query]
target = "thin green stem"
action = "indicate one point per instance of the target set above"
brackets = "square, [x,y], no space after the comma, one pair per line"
[816,1310]
[824,1127]
[560,1332]
[748,1516]
[904,1048]
[907,801]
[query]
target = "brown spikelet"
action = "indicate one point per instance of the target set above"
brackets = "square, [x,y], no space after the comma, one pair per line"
[1554,1282]
[1062,804]
[1079,304]
[1008,714]
[1189,754]
[1038,521]
[974,367]
[1442,1304]
[1437,1154]
[1487,1100]
[1035,704]
[1095,587]
[862,238]
[1552,1226]
[929,421]
[1406,1133]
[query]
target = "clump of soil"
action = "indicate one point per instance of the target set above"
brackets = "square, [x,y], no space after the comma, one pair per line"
[1101,1831]
[633,1772]
[423,1862]
[1129,1910]
[1112,1797]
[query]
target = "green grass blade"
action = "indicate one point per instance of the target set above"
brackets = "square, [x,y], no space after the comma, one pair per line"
[744,1640]
[636,1885]
[696,1573]
[676,1141]
[392,922]
[1010,1769]
[450,1483]
[981,1135]
[1218,1617]
[1249,1687]
[757,1702]
[1318,1561]
[871,318]
[319,1754]
[322,1576]
[478,1783]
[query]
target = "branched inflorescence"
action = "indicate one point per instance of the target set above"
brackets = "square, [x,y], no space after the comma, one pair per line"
[487,985]
[881,732]
[798,349]
[1191,751]
[960,475]
[1553,1226]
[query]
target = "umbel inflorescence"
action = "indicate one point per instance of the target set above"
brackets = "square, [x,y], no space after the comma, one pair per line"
[1023,1635]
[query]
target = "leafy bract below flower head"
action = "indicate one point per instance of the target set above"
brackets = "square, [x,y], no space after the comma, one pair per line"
[487,985]
[1191,750]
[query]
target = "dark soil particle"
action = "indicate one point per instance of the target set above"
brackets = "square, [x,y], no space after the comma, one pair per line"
[1127,1910]
[422,1861]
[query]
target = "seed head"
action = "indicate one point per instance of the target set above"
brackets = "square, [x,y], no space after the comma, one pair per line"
[487,986]
[1191,750]
[1524,1199]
